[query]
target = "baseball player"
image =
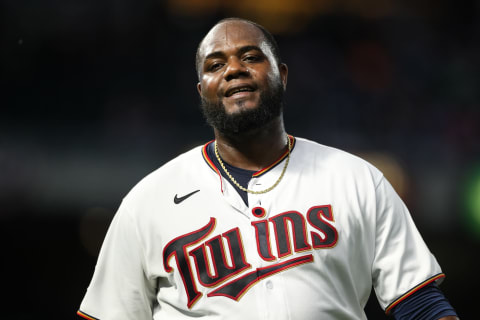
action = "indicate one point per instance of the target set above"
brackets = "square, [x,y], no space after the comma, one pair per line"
[259,224]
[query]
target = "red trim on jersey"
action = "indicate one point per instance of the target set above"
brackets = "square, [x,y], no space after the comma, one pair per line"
[283,156]
[270,256]
[289,221]
[86,316]
[211,164]
[256,174]
[412,291]
[261,215]
[269,271]
[224,257]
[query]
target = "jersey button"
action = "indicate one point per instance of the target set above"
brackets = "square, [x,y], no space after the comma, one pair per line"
[269,284]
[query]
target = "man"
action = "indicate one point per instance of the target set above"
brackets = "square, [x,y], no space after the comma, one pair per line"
[258,224]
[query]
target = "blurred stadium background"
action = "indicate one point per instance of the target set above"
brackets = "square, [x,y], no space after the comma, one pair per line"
[96,94]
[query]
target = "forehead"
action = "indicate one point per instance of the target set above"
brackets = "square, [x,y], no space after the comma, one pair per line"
[231,35]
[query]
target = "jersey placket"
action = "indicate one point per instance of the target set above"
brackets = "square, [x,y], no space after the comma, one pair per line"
[270,292]
[265,287]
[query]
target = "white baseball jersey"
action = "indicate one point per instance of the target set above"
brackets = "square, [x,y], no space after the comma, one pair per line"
[183,244]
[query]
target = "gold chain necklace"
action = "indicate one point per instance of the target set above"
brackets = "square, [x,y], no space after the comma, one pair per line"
[252,191]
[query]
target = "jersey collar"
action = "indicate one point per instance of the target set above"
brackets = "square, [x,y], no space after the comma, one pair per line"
[214,166]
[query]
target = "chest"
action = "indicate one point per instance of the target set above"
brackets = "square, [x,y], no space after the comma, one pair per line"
[210,238]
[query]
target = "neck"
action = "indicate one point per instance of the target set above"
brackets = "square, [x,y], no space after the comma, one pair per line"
[256,149]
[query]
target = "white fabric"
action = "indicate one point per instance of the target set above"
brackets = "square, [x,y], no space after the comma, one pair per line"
[376,242]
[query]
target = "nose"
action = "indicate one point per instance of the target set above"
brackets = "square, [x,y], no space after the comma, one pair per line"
[235,69]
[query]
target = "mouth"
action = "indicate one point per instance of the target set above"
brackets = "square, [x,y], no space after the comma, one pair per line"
[238,89]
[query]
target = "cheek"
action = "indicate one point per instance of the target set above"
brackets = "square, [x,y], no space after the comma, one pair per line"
[275,78]
[269,78]
[209,87]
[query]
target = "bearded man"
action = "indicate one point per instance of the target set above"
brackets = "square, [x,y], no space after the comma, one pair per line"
[259,224]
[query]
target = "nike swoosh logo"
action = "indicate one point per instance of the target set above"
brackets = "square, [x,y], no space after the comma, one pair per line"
[177,200]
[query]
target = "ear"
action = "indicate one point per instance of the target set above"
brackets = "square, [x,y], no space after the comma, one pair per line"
[199,88]
[283,74]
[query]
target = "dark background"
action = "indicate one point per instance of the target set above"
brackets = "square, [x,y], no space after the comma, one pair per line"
[97,94]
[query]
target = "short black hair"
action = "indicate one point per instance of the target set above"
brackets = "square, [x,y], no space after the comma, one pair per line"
[272,43]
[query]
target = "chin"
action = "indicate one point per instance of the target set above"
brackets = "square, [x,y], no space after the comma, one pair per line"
[240,106]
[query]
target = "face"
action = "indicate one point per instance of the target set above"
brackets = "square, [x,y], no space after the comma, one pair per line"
[241,85]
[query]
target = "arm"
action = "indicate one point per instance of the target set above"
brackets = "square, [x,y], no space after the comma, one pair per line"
[428,303]
[402,258]
[119,288]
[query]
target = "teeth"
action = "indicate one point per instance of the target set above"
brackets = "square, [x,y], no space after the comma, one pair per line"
[240,90]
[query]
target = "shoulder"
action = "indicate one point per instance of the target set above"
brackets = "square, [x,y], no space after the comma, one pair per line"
[316,155]
[174,172]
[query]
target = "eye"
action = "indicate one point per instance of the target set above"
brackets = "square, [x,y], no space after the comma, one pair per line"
[252,58]
[214,66]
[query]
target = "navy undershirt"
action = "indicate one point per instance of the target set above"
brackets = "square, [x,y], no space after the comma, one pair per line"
[241,175]
[428,303]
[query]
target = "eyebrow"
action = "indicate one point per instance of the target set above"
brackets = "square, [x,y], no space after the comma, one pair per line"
[241,50]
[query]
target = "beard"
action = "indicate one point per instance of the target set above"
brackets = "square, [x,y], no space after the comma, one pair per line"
[270,106]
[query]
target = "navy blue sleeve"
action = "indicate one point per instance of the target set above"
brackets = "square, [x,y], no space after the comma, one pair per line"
[428,303]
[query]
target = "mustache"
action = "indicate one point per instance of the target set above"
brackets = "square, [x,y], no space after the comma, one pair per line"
[270,106]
